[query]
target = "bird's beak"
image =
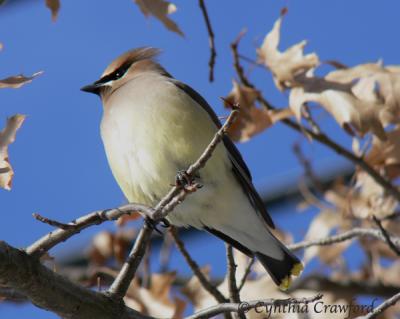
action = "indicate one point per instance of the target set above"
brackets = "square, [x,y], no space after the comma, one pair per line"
[94,88]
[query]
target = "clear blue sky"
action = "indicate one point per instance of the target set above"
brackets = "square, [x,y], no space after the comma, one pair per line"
[60,167]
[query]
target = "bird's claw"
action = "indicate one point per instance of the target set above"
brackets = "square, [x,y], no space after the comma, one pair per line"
[152,224]
[187,181]
[183,179]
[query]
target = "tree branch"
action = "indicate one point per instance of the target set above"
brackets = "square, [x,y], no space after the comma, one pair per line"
[234,295]
[246,273]
[46,289]
[355,232]
[50,240]
[207,285]
[247,305]
[349,286]
[383,306]
[211,39]
[386,235]
[121,283]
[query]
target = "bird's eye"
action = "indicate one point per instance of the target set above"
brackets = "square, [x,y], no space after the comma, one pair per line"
[118,75]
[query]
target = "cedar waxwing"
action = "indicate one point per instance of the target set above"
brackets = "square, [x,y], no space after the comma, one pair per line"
[154,126]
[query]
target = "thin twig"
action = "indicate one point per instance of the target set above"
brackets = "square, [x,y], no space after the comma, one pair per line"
[308,169]
[53,222]
[246,273]
[207,285]
[50,240]
[320,137]
[245,306]
[308,117]
[383,306]
[121,283]
[211,40]
[387,236]
[146,268]
[234,295]
[355,232]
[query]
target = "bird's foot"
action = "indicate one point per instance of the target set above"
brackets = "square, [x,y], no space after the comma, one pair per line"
[183,179]
[151,223]
[187,181]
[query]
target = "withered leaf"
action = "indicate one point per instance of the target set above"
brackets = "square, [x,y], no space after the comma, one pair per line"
[251,119]
[17,81]
[386,85]
[156,300]
[372,198]
[287,64]
[160,9]
[320,227]
[106,245]
[7,136]
[54,6]
[355,106]
[386,154]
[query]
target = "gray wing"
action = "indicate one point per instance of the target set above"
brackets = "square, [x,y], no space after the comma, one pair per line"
[239,167]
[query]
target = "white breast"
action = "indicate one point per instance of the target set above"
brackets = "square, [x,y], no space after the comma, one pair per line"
[151,129]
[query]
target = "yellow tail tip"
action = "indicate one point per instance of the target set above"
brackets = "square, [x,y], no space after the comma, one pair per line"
[285,283]
[297,269]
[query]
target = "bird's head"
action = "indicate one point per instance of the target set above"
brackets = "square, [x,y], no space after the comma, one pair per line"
[123,69]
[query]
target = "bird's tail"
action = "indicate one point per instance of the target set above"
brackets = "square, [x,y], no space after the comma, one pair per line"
[279,262]
[282,270]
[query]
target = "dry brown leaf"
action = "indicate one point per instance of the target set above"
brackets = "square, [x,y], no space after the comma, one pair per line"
[128,218]
[156,300]
[102,247]
[160,9]
[387,81]
[355,106]
[386,154]
[372,198]
[320,227]
[106,245]
[286,65]
[7,136]
[251,120]
[54,6]
[17,81]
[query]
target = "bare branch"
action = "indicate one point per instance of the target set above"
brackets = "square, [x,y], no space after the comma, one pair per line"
[247,305]
[121,283]
[234,295]
[347,287]
[246,273]
[355,232]
[53,222]
[196,269]
[320,137]
[50,240]
[46,289]
[211,39]
[386,235]
[383,306]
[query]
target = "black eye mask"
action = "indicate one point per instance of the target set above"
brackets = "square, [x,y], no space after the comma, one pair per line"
[117,74]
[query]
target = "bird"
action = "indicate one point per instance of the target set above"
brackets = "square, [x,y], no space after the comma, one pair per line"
[154,126]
